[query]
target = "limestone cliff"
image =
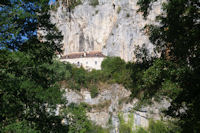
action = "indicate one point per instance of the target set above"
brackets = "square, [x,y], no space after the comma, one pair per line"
[113,27]
[111,101]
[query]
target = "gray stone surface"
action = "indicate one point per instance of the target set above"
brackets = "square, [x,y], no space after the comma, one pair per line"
[112,101]
[104,27]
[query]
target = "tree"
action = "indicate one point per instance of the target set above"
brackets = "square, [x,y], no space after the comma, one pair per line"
[177,39]
[77,119]
[112,65]
[29,83]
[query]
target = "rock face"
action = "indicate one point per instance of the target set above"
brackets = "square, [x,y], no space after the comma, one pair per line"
[113,27]
[112,101]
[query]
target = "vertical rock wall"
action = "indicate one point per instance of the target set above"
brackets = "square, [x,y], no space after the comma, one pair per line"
[112,101]
[113,26]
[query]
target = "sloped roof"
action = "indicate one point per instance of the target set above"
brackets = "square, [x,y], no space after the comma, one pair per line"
[83,55]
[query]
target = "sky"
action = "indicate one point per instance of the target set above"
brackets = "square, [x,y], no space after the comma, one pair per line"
[52,0]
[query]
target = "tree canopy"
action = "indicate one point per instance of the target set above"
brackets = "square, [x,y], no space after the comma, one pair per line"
[176,73]
[29,89]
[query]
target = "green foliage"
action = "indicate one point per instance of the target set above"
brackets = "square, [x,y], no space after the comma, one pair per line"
[94,3]
[144,6]
[157,127]
[55,6]
[79,75]
[112,66]
[140,130]
[29,79]
[78,121]
[154,126]
[118,9]
[71,4]
[98,129]
[94,91]
[176,38]
[26,88]
[127,15]
[126,127]
[95,75]
[20,127]
[74,3]
[76,118]
[162,127]
[114,70]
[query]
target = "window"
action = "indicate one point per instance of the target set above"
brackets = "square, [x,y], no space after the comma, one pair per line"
[86,62]
[78,63]
[95,62]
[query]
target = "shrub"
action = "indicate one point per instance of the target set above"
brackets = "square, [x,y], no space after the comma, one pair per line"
[94,3]
[62,71]
[127,15]
[55,6]
[98,129]
[141,130]
[78,121]
[76,118]
[79,76]
[94,76]
[126,127]
[112,65]
[157,127]
[94,91]
[118,9]
[20,127]
[75,3]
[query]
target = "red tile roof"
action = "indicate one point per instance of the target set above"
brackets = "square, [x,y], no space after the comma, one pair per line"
[83,55]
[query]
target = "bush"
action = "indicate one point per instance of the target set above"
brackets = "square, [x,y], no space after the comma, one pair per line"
[55,6]
[95,76]
[94,3]
[62,71]
[94,91]
[112,65]
[79,76]
[141,130]
[127,15]
[20,127]
[98,129]
[126,127]
[75,3]
[78,121]
[76,118]
[118,9]
[157,127]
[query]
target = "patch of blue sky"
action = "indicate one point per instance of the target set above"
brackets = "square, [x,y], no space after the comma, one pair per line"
[52,1]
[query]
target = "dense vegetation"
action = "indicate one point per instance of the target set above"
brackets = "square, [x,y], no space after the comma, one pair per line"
[29,89]
[114,70]
[176,73]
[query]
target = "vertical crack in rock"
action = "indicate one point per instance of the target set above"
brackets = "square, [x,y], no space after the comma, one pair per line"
[81,42]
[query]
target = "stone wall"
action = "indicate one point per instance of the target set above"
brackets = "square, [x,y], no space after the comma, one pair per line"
[86,62]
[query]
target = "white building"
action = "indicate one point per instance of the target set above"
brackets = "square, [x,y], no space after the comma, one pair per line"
[88,60]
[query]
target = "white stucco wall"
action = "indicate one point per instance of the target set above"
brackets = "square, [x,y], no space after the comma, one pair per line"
[86,62]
